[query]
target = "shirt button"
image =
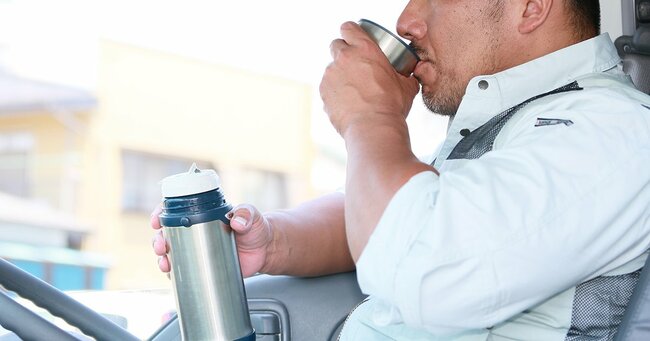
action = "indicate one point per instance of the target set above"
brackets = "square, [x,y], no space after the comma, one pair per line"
[483,84]
[464,132]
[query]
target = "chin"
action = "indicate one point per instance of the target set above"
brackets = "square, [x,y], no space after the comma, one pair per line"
[441,105]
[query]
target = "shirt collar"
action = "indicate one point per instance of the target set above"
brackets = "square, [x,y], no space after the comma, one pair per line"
[489,95]
[552,71]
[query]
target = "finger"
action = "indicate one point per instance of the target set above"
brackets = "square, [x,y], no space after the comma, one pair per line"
[154,220]
[353,34]
[160,244]
[241,218]
[163,264]
[336,46]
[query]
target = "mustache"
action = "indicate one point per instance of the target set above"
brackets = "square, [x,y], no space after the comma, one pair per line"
[422,54]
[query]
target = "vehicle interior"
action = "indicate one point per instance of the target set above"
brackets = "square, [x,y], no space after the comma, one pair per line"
[291,308]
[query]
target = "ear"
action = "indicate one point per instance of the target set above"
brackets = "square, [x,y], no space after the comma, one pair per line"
[534,15]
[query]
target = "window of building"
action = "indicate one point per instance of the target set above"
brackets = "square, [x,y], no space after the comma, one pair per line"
[267,190]
[142,173]
[16,149]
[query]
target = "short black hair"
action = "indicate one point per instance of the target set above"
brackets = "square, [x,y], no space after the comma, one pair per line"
[585,16]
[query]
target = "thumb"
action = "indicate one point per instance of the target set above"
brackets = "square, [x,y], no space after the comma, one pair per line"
[242,218]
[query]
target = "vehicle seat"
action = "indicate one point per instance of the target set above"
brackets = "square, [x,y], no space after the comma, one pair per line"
[635,50]
[635,53]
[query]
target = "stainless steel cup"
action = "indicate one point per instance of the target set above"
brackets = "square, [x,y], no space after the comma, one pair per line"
[205,272]
[399,53]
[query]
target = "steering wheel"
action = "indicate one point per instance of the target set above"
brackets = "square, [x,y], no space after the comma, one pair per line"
[30,326]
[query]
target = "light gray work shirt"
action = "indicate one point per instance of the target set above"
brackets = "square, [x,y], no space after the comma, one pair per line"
[539,218]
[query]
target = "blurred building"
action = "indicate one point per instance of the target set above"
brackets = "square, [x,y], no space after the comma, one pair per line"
[41,141]
[158,113]
[96,164]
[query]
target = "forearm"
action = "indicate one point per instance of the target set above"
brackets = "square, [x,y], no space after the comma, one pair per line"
[380,162]
[310,239]
[367,102]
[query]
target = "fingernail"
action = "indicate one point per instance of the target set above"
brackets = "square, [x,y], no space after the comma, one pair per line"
[241,220]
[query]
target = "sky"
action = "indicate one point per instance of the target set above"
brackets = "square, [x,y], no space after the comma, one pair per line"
[286,37]
[289,38]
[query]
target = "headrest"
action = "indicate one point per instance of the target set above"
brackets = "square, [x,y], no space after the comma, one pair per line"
[643,11]
[639,43]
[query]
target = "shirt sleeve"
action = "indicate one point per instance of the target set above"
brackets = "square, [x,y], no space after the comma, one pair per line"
[475,246]
[392,266]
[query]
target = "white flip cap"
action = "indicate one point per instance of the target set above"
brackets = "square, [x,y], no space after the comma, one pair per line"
[193,182]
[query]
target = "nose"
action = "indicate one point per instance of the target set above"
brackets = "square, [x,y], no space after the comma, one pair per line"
[410,24]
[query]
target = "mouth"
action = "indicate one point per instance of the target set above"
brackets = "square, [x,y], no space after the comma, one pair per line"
[419,52]
[416,70]
[426,72]
[424,64]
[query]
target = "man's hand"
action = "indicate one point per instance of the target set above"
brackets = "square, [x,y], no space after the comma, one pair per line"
[253,235]
[360,85]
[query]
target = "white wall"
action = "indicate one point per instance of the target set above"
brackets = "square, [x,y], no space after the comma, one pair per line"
[611,21]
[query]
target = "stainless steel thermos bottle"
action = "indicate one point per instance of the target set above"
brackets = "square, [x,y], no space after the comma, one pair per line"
[207,280]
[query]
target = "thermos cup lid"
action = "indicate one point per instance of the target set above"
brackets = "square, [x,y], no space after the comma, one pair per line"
[192,182]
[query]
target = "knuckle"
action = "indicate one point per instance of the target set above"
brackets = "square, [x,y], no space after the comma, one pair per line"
[367,45]
[345,55]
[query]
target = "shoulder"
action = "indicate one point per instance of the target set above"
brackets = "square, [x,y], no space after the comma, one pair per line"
[619,114]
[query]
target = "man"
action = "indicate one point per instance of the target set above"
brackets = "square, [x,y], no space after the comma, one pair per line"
[531,223]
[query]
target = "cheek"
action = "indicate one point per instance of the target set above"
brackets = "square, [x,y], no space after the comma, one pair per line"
[463,57]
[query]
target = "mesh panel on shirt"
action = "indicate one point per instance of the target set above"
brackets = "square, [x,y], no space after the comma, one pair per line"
[599,305]
[481,140]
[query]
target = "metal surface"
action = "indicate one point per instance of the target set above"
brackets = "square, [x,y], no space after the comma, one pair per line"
[207,280]
[399,54]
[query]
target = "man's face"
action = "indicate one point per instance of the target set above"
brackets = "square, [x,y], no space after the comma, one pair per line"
[456,40]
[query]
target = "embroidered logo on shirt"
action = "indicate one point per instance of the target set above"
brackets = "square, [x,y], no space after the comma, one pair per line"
[543,122]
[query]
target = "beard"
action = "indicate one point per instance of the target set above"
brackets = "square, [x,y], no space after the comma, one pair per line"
[444,102]
[445,95]
[446,99]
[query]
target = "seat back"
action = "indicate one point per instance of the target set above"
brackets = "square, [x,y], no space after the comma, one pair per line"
[635,49]
[635,62]
[635,53]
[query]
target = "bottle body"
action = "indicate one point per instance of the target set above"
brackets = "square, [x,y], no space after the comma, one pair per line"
[207,280]
[205,271]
